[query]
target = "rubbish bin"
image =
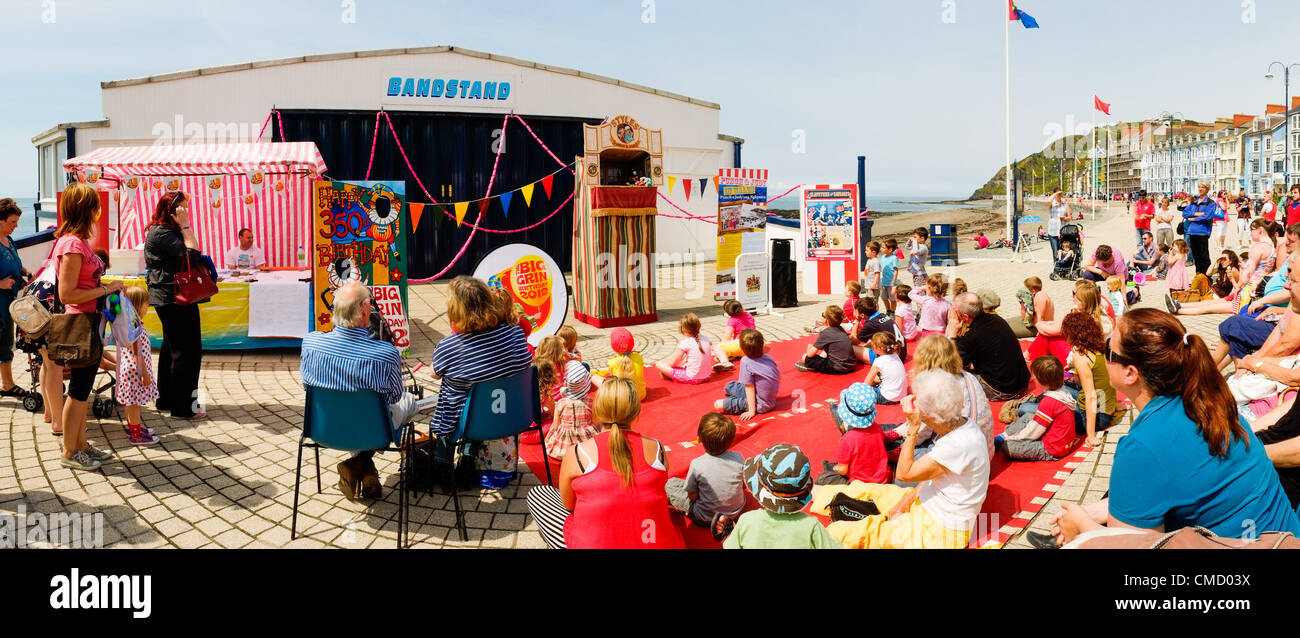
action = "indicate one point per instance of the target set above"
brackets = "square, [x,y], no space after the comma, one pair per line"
[943,244]
[864,235]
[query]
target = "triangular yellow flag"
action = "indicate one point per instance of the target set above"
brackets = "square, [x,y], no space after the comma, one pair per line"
[672,181]
[528,194]
[461,208]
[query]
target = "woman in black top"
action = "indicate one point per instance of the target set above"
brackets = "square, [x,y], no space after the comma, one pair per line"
[168,240]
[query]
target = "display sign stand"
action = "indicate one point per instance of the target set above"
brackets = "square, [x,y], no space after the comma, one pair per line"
[753,278]
[1024,253]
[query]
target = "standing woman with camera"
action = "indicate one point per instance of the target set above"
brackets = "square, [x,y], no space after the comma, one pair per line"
[80,291]
[167,243]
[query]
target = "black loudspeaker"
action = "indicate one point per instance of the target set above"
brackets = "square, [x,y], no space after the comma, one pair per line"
[784,292]
[780,250]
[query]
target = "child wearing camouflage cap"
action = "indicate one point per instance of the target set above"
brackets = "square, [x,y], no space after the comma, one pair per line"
[781,480]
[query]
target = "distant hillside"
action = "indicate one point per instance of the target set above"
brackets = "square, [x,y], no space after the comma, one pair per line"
[1045,163]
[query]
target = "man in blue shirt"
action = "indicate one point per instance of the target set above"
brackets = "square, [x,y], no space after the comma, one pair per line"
[347,359]
[1198,217]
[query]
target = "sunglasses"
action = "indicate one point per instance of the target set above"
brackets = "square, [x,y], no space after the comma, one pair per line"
[1116,358]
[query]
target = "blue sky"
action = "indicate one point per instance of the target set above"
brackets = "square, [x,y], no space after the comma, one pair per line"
[920,96]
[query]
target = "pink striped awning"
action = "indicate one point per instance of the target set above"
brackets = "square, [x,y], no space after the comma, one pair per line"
[163,160]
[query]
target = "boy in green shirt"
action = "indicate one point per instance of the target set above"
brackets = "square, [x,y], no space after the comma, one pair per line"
[781,480]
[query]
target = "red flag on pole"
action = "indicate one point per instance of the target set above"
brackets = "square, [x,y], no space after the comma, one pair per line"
[1099,105]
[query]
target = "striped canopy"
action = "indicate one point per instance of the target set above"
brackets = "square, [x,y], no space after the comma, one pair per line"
[279,213]
[202,159]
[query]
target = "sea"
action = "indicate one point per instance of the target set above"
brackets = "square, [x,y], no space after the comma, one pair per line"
[30,224]
[881,205]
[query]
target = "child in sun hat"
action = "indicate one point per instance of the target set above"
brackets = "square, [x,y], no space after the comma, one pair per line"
[860,455]
[626,363]
[780,478]
[573,422]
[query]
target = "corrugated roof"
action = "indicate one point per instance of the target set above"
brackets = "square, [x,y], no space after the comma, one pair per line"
[248,66]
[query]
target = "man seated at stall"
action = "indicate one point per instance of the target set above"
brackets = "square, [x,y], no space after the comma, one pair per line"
[1105,262]
[245,256]
[347,359]
[990,350]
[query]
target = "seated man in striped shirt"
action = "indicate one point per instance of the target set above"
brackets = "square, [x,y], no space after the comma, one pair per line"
[348,359]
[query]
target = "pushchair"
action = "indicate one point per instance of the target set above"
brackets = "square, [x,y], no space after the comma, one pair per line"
[1072,269]
[34,401]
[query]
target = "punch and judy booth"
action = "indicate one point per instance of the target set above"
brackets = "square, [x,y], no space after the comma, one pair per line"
[614,223]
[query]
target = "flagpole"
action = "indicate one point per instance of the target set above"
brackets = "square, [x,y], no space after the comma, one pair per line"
[1092,163]
[1006,20]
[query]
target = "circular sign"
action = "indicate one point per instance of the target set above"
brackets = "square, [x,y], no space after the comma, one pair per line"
[534,280]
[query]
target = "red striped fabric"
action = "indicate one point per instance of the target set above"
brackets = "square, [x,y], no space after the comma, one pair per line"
[280,220]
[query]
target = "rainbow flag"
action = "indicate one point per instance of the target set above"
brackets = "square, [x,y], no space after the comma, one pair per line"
[1014,14]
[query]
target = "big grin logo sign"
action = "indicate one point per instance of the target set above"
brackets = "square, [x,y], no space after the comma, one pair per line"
[535,282]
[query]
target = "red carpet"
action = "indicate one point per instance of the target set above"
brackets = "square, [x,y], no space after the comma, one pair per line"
[672,411]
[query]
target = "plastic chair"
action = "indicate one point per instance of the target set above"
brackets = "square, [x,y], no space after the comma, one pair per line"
[494,410]
[353,422]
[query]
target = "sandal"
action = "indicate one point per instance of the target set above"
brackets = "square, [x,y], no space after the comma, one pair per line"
[15,392]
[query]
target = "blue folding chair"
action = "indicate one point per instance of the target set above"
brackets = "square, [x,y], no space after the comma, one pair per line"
[353,422]
[494,410]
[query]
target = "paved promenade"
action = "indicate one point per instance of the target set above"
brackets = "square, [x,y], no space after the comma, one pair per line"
[227,481]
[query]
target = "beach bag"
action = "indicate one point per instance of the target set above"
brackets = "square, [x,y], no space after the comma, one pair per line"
[1189,538]
[194,285]
[73,339]
[497,461]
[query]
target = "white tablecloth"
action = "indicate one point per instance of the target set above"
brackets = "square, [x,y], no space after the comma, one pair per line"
[278,306]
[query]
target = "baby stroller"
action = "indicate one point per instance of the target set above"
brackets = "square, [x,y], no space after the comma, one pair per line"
[1071,270]
[34,401]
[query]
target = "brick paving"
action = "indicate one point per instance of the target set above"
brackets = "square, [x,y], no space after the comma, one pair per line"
[227,481]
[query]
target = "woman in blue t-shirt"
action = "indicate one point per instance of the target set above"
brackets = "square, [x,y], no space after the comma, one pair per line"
[1187,460]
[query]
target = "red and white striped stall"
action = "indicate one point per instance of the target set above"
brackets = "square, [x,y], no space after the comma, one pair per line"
[279,213]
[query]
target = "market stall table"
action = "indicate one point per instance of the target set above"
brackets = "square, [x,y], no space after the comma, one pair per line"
[261,310]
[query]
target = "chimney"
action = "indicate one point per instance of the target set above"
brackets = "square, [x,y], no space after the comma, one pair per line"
[1274,108]
[1241,119]
[1295,102]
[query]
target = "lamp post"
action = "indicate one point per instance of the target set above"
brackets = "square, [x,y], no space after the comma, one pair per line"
[1169,140]
[1286,108]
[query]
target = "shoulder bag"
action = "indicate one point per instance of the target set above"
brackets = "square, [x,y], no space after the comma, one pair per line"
[194,284]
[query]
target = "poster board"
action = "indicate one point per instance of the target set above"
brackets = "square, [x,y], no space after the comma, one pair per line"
[534,280]
[829,219]
[359,234]
[753,279]
[742,222]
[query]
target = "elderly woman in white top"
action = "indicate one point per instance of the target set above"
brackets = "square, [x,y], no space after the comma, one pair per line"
[953,477]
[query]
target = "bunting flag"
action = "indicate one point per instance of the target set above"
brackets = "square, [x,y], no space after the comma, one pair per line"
[528,194]
[686,186]
[505,202]
[546,184]
[715,183]
[1099,105]
[256,180]
[91,176]
[132,184]
[461,208]
[703,181]
[483,206]
[672,181]
[214,190]
[438,211]
[416,211]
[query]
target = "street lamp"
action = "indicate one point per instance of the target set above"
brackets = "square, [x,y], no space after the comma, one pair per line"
[1169,140]
[1286,117]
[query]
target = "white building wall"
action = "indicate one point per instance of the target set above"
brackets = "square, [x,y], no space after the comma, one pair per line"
[214,105]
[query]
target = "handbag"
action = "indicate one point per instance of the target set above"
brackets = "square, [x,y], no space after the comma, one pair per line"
[73,339]
[194,285]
